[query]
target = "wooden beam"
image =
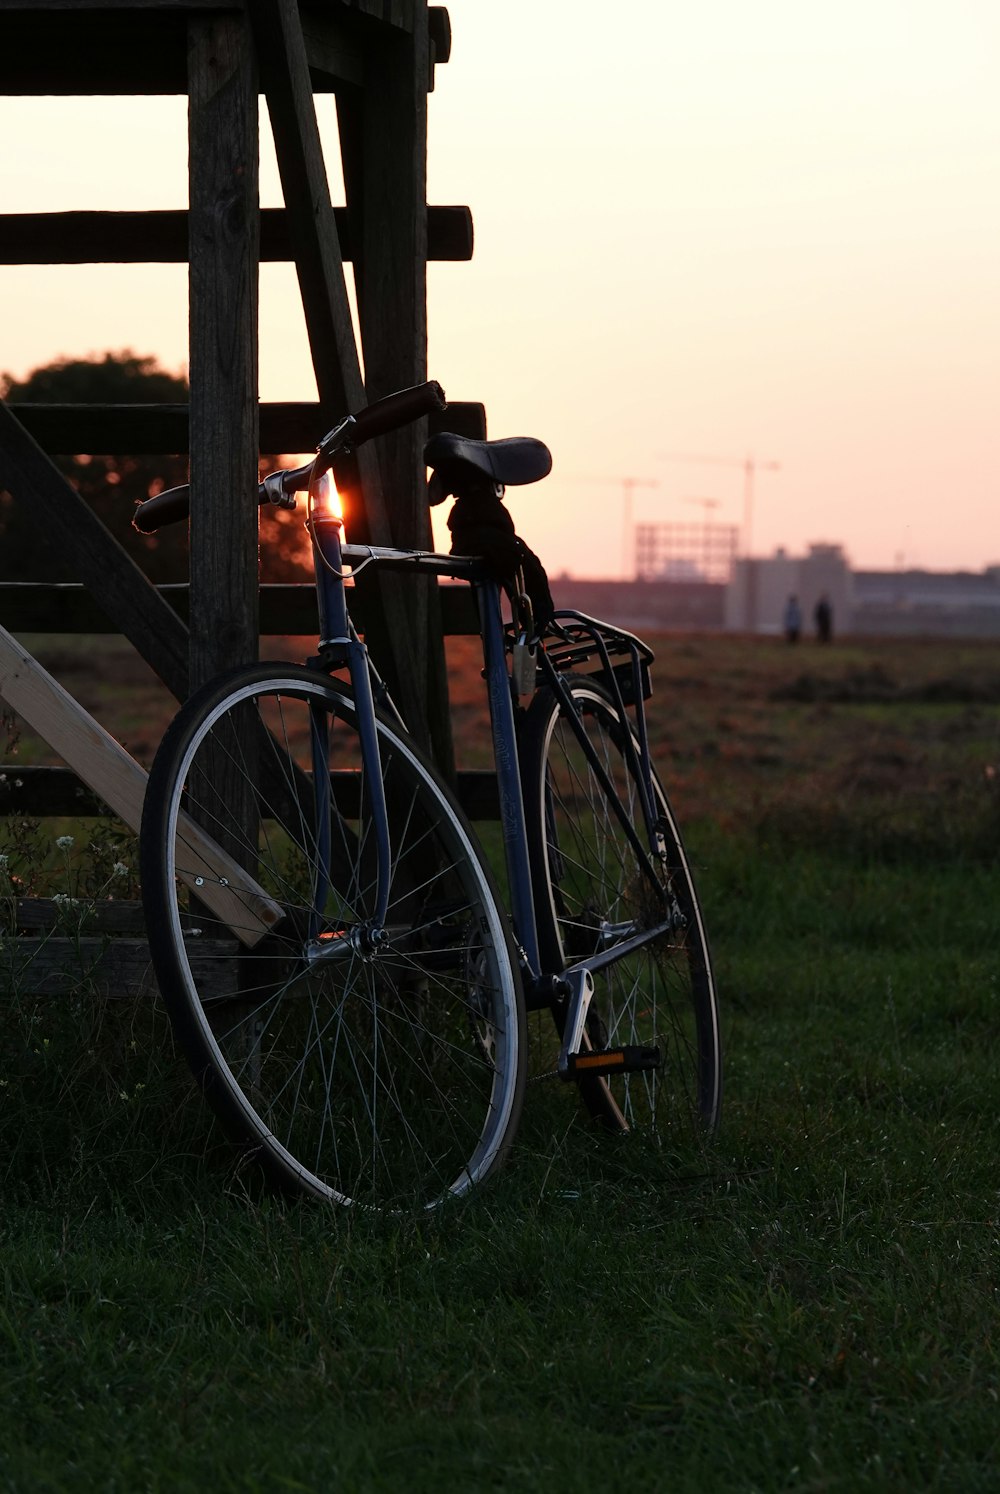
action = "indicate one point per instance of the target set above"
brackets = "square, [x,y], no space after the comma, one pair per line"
[161,237]
[120,969]
[439,28]
[93,555]
[384,149]
[129,47]
[108,916]
[74,50]
[55,9]
[395,13]
[150,430]
[38,791]
[224,234]
[42,792]
[285,79]
[309,212]
[286,610]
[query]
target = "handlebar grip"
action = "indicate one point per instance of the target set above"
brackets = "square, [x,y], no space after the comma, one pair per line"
[396,410]
[168,507]
[173,505]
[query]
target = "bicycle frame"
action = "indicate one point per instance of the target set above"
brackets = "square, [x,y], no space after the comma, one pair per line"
[341,647]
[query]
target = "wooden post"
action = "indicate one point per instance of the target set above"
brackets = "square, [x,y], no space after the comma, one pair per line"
[224,237]
[383,133]
[395,644]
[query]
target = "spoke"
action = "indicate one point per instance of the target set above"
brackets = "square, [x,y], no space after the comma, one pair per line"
[378,1073]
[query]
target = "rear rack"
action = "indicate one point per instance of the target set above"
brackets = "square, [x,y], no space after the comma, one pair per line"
[572,640]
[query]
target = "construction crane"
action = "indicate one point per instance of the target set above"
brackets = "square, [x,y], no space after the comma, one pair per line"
[750,466]
[706,503]
[628,486]
[705,550]
[628,549]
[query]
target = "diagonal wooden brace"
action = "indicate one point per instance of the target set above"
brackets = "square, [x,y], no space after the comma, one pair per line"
[104,765]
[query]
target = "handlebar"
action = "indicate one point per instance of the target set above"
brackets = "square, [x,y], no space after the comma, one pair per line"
[396,410]
[388,414]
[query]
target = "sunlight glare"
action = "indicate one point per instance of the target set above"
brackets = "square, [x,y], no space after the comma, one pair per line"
[328,503]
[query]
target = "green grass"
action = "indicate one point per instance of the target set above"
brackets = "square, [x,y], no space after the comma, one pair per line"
[811,1306]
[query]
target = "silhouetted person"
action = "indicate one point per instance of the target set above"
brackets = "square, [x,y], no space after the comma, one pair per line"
[824,619]
[793,619]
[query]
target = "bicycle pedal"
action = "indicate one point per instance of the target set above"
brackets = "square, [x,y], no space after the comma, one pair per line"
[602,1063]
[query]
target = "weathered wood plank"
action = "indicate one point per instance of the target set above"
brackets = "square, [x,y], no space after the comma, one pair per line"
[125,50]
[123,47]
[107,769]
[384,148]
[224,231]
[43,792]
[309,212]
[59,966]
[161,236]
[396,13]
[285,79]
[80,915]
[94,555]
[285,610]
[38,791]
[439,28]
[57,8]
[141,430]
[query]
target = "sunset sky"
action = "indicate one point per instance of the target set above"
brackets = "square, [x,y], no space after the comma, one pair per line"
[722,229]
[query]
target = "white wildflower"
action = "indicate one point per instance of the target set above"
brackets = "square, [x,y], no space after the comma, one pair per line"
[64,842]
[119,869]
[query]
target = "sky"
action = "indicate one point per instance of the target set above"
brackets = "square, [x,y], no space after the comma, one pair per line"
[711,231]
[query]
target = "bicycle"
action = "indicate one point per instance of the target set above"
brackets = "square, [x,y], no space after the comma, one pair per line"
[359,1022]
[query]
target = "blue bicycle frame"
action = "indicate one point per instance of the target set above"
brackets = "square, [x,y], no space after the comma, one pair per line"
[341,647]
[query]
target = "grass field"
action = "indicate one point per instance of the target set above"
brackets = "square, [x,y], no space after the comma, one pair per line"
[813,1307]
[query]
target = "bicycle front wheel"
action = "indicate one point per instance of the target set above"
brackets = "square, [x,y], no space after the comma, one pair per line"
[595,886]
[383,1065]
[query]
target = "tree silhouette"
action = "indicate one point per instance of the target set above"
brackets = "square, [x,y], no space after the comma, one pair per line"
[112,485]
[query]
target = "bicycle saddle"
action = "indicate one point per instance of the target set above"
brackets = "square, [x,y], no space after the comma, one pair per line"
[514,461]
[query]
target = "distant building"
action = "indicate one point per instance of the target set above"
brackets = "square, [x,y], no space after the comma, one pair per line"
[685,552]
[759,590]
[957,604]
[684,606]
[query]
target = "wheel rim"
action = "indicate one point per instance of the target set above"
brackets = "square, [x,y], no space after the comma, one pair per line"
[363,1073]
[661,996]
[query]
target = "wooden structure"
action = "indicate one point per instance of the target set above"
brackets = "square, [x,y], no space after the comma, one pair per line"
[378,57]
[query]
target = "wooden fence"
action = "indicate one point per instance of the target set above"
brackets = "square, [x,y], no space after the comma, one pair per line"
[378,58]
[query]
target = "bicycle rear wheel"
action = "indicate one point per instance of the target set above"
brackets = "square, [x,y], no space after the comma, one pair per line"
[380,1067]
[594,887]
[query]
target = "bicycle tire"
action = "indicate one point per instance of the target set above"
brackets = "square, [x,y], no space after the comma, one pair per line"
[587,877]
[389,1077]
